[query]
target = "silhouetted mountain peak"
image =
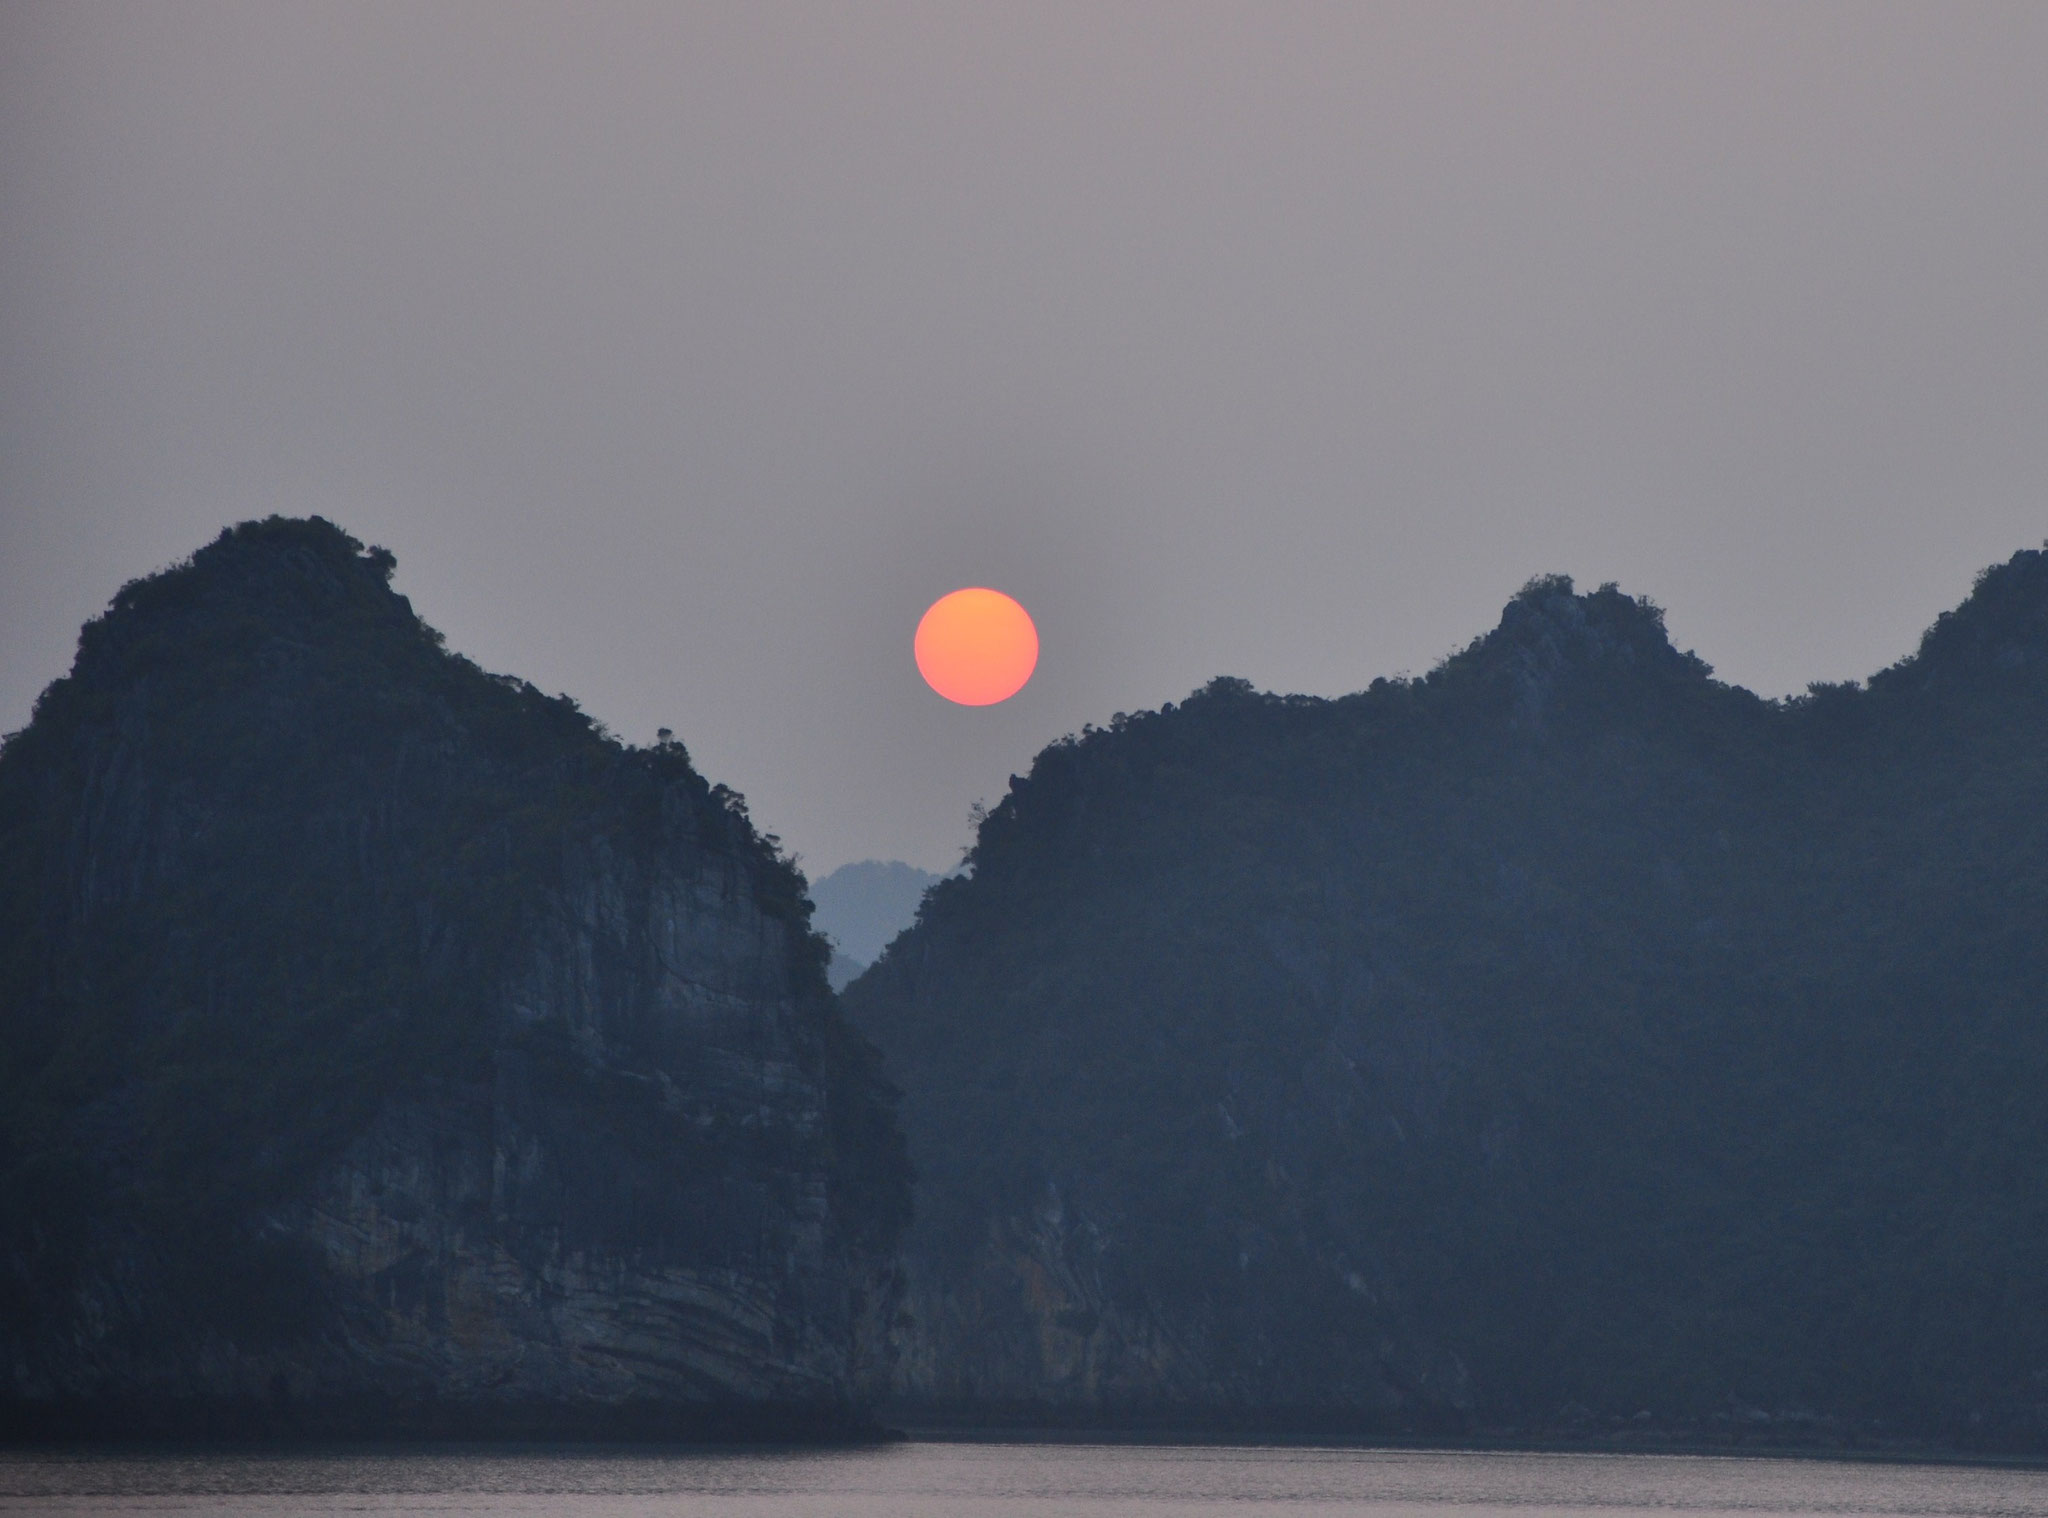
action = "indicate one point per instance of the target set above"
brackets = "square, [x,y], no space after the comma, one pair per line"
[1548,625]
[1549,631]
[280,578]
[2001,627]
[304,921]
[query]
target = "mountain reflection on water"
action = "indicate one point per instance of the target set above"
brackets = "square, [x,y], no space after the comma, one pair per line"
[941,1480]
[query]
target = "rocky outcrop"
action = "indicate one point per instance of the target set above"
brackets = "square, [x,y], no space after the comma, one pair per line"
[1036,1326]
[389,1050]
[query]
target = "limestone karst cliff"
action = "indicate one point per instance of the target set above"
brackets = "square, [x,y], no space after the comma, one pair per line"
[1562,1040]
[383,1048]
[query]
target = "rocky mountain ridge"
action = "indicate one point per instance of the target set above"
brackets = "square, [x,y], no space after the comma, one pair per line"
[1561,1038]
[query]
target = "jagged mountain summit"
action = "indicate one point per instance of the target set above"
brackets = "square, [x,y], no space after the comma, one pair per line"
[386,1049]
[1561,1040]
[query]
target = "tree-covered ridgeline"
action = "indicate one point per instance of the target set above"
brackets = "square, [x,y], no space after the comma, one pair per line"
[1563,1036]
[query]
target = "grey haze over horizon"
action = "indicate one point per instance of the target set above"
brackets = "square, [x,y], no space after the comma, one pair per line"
[683,354]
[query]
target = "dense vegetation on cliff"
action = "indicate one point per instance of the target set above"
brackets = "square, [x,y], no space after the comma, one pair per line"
[1564,1035]
[276,868]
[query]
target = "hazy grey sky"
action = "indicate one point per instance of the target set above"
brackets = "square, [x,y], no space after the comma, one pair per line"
[683,354]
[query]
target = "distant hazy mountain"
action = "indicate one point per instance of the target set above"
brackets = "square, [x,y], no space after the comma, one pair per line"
[862,906]
[1564,1039]
[384,1047]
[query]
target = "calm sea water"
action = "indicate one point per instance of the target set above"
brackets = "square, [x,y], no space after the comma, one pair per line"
[1003,1481]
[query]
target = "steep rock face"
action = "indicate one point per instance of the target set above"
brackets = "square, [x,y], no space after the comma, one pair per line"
[1046,1321]
[389,1049]
[1564,1035]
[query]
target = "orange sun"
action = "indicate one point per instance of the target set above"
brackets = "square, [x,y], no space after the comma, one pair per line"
[976,647]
